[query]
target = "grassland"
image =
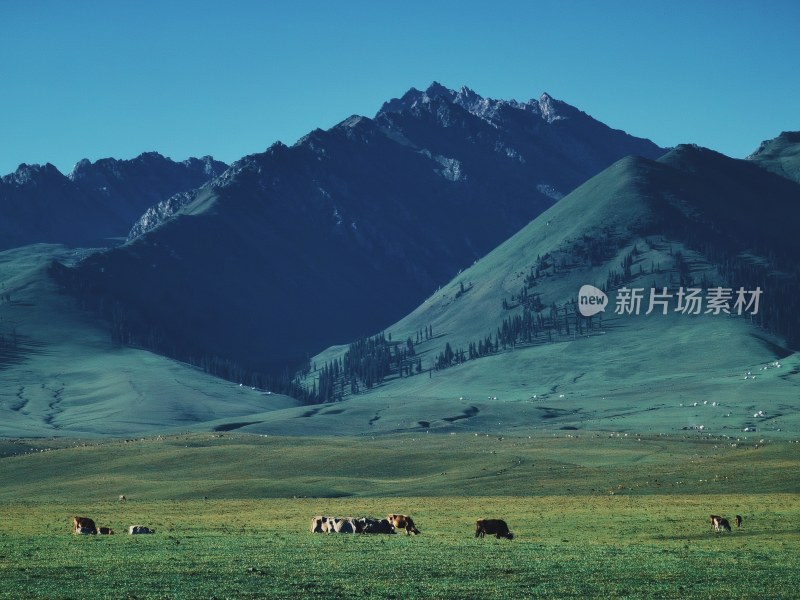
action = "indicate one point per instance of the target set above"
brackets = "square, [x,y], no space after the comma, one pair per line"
[593,516]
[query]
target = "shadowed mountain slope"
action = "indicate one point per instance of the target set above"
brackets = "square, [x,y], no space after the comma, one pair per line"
[296,248]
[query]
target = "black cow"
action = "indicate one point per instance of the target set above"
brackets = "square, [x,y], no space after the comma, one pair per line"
[496,527]
[377,526]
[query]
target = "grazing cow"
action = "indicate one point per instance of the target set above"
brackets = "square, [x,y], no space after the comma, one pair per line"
[327,525]
[122,498]
[137,529]
[84,525]
[368,525]
[362,523]
[343,526]
[496,527]
[738,520]
[718,523]
[316,524]
[85,531]
[106,531]
[382,526]
[403,522]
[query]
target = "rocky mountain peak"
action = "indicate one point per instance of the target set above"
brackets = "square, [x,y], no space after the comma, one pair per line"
[31,174]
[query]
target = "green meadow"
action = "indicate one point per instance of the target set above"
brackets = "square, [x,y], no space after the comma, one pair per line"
[594,515]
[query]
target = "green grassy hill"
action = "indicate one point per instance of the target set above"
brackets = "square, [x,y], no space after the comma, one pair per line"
[671,220]
[61,375]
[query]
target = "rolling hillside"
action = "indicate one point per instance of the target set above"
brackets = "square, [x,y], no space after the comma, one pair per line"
[61,374]
[693,218]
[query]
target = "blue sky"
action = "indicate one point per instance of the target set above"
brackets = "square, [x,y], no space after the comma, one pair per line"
[90,79]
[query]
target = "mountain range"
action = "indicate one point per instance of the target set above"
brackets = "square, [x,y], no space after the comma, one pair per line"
[297,248]
[423,266]
[95,201]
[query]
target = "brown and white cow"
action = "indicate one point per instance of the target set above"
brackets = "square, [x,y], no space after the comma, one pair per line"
[718,523]
[403,522]
[84,525]
[496,527]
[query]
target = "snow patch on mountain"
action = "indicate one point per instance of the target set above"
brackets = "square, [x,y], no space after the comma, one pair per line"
[549,108]
[549,191]
[451,168]
[157,214]
[508,151]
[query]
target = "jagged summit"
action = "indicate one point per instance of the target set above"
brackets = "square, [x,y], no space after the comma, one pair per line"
[27,174]
[546,107]
[95,201]
[80,167]
[152,160]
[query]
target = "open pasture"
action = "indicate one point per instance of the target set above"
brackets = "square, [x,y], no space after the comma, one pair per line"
[592,516]
[564,546]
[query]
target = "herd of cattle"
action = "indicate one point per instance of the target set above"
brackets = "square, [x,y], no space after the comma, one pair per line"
[363,525]
[86,526]
[389,525]
[392,523]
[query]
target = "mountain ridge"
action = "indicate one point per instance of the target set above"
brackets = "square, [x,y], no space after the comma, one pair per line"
[417,103]
[689,375]
[343,231]
[95,201]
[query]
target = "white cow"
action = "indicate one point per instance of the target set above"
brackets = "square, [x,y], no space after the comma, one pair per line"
[319,524]
[137,529]
[343,526]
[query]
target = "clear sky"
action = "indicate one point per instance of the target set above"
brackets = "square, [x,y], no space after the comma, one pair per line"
[93,79]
